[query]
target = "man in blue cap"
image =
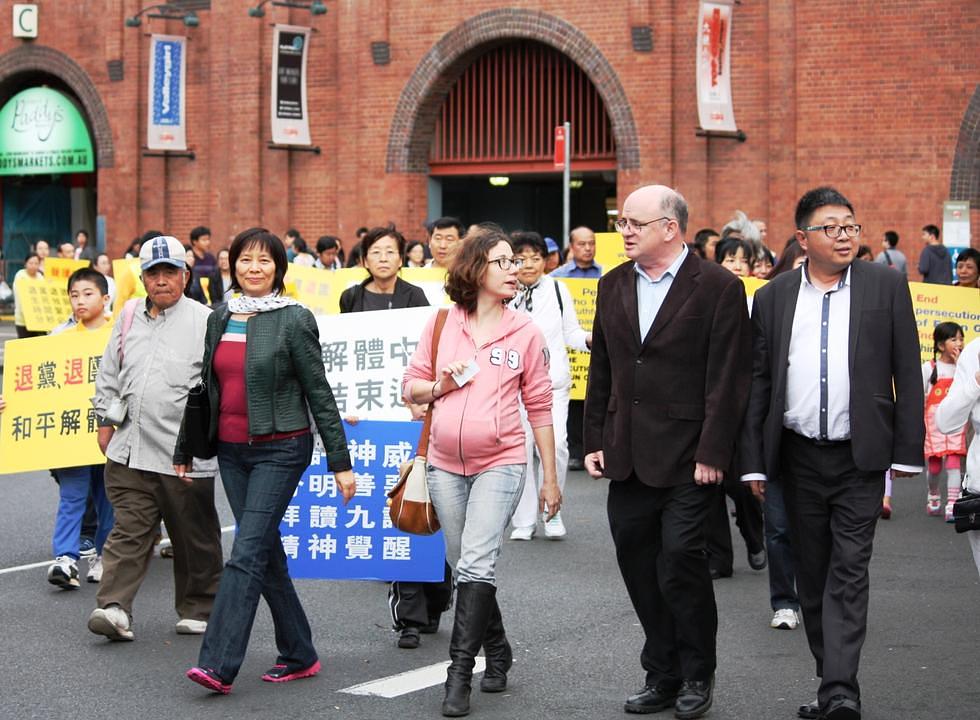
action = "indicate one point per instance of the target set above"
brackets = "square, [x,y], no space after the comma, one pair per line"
[153,359]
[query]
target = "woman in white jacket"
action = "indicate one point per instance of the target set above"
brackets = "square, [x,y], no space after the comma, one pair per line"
[962,404]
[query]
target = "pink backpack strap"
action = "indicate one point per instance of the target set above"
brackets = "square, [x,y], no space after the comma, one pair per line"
[128,313]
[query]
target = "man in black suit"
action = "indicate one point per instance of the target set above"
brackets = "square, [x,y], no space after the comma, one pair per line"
[668,385]
[836,401]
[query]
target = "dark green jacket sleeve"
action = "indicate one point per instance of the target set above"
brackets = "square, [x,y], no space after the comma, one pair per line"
[304,349]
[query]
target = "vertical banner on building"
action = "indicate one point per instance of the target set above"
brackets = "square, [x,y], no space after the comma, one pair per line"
[714,72]
[290,121]
[166,116]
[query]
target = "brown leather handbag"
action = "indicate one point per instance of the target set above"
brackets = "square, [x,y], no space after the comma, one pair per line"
[409,505]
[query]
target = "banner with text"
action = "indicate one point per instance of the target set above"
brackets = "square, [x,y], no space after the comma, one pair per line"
[944,303]
[323,538]
[49,421]
[290,121]
[714,75]
[45,304]
[365,355]
[58,270]
[584,292]
[166,114]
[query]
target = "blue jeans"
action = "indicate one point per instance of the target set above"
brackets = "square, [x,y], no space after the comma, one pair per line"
[782,575]
[259,481]
[474,511]
[75,483]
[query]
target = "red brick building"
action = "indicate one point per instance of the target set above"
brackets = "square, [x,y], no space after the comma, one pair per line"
[878,98]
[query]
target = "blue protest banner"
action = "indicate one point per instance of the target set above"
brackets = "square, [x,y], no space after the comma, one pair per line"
[323,538]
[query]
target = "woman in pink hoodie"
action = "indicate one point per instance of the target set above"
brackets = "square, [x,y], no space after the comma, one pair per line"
[476,460]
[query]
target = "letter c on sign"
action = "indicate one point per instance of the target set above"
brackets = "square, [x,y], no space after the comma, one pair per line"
[25,20]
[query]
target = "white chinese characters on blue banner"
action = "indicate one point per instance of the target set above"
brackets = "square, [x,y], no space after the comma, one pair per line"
[167,59]
[323,538]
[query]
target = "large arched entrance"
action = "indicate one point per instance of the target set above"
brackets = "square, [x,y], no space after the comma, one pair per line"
[492,153]
[420,106]
[54,136]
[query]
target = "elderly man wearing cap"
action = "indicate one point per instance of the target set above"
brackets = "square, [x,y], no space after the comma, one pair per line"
[151,362]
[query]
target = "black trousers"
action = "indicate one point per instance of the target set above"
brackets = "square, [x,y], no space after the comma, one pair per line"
[419,603]
[748,519]
[576,418]
[832,509]
[659,543]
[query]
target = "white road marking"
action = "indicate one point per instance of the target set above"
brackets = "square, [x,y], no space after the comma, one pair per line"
[30,566]
[408,682]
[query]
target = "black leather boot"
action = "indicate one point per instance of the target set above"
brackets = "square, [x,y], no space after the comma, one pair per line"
[499,655]
[474,603]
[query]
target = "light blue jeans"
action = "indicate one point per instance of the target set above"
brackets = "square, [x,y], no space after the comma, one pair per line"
[474,511]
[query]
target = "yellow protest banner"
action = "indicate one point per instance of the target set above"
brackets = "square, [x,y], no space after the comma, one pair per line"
[49,421]
[45,304]
[129,282]
[60,269]
[320,289]
[934,304]
[583,292]
[609,250]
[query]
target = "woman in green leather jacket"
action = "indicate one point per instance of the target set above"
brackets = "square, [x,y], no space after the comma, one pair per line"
[263,369]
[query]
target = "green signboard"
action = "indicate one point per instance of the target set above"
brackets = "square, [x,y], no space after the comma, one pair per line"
[42,132]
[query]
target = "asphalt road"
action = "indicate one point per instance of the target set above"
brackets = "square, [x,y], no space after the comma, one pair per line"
[576,638]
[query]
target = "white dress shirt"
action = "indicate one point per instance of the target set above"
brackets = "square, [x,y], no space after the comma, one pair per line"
[818,385]
[651,292]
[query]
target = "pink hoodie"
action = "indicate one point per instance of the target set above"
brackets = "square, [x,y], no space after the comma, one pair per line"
[479,426]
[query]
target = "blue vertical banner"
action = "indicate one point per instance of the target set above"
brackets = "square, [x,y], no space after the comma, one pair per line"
[166,113]
[323,538]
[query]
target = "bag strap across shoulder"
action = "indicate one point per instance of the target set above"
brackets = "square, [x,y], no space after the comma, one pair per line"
[427,423]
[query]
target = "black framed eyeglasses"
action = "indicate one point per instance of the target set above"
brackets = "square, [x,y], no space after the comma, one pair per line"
[505,263]
[833,231]
[635,226]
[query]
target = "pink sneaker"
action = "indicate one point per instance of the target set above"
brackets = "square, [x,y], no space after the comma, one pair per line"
[210,679]
[934,505]
[281,673]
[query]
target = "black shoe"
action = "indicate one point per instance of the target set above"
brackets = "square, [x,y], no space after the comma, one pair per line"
[757,560]
[499,655]
[432,627]
[576,464]
[717,573]
[693,699]
[842,707]
[474,605]
[409,638]
[810,711]
[652,698]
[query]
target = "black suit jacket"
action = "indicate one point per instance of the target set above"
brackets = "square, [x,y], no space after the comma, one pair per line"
[886,398]
[656,405]
[405,295]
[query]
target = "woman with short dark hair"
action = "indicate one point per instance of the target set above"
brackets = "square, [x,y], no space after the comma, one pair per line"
[477,457]
[265,377]
[382,250]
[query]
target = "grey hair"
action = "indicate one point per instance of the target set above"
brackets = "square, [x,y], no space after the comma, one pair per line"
[744,227]
[674,205]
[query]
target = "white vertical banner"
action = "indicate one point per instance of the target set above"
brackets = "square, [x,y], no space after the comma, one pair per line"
[166,114]
[290,121]
[714,70]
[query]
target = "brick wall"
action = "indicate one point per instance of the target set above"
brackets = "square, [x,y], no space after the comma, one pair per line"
[873,97]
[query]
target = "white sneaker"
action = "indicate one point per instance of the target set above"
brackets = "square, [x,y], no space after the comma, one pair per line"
[785,619]
[523,533]
[64,572]
[554,529]
[94,569]
[113,622]
[190,626]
